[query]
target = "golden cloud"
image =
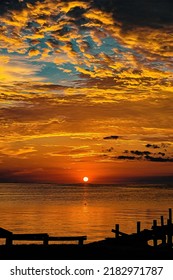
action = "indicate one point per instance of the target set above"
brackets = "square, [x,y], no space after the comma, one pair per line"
[15,153]
[100,16]
[73,4]
[33,52]
[17,71]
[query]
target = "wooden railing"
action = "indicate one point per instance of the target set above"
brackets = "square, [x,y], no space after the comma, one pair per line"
[10,237]
[162,232]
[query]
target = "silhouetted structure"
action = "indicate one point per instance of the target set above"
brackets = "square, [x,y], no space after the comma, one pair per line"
[157,233]
[10,237]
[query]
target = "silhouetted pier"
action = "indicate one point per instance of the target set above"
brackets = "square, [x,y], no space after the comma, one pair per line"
[44,237]
[158,234]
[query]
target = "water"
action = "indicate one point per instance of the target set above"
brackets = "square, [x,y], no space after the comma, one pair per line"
[91,210]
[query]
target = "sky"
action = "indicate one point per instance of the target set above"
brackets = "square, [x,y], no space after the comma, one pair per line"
[86,89]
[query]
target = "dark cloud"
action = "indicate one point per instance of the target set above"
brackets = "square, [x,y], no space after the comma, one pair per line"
[140,153]
[109,150]
[112,137]
[76,12]
[145,155]
[10,5]
[126,157]
[131,13]
[158,159]
[162,154]
[77,17]
[152,146]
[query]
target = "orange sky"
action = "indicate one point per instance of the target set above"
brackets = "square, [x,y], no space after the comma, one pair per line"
[86,90]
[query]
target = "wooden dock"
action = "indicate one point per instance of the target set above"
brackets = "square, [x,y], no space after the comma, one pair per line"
[44,237]
[159,235]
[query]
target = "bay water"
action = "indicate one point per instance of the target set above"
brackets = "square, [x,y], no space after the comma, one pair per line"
[84,209]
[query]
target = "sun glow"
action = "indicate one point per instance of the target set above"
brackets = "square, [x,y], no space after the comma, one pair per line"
[85,179]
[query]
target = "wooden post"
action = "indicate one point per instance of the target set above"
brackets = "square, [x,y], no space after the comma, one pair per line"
[45,240]
[162,221]
[155,237]
[169,233]
[9,240]
[162,229]
[117,228]
[138,227]
[80,241]
[154,223]
[170,215]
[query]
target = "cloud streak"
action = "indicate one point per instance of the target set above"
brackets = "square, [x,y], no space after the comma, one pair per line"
[112,137]
[146,155]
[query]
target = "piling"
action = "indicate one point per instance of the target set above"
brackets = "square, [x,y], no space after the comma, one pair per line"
[162,221]
[155,237]
[117,229]
[138,227]
[169,225]
[170,215]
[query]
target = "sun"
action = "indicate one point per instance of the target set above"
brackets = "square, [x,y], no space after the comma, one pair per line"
[85,179]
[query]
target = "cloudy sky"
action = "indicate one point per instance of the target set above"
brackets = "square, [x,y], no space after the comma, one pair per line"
[86,89]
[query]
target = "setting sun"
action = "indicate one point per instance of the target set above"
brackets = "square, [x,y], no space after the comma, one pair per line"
[85,179]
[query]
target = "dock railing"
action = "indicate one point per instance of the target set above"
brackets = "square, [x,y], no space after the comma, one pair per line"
[44,237]
[162,232]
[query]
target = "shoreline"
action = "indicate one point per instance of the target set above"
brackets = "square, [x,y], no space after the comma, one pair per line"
[101,250]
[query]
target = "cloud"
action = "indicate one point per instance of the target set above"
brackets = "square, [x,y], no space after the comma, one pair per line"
[145,155]
[148,158]
[140,153]
[33,52]
[126,157]
[152,146]
[162,154]
[59,38]
[99,16]
[109,150]
[15,69]
[159,159]
[138,12]
[112,137]
[76,7]
[21,153]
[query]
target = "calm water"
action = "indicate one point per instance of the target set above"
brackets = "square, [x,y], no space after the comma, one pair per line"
[90,210]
